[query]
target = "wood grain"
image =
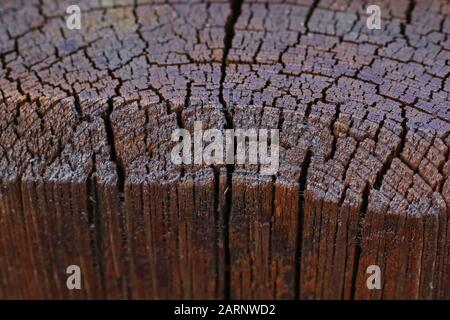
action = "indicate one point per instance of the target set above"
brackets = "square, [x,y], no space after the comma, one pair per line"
[86,118]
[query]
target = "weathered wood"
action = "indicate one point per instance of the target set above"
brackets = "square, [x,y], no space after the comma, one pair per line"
[86,118]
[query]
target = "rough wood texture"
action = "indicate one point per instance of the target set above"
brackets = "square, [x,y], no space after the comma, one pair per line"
[85,172]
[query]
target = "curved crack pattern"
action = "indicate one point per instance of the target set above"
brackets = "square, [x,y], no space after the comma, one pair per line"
[363,113]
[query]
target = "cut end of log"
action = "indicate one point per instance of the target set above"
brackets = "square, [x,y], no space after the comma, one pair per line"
[362,179]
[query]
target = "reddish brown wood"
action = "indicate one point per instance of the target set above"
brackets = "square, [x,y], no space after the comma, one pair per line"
[86,118]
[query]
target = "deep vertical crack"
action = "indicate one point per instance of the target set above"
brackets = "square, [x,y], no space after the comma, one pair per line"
[111,142]
[120,185]
[409,11]
[309,14]
[332,132]
[96,230]
[301,213]
[396,154]
[362,215]
[228,42]
[77,105]
[223,206]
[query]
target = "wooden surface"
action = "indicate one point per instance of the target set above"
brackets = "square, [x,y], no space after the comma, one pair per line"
[85,172]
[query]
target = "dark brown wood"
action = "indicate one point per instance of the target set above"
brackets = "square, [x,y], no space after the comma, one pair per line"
[86,118]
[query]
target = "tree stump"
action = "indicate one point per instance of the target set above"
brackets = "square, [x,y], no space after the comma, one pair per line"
[86,178]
